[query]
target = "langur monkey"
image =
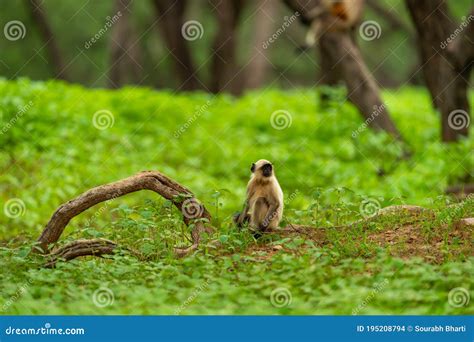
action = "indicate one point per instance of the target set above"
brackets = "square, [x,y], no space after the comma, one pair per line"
[332,15]
[263,207]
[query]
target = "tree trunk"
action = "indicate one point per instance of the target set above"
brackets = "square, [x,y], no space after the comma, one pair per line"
[362,89]
[125,54]
[225,75]
[329,74]
[259,61]
[170,13]
[38,14]
[340,54]
[446,65]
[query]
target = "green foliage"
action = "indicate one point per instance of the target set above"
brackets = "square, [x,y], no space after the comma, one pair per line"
[53,152]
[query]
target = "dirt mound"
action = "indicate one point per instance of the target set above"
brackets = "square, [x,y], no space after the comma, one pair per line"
[414,238]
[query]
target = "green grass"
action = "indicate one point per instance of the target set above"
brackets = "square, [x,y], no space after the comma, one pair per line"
[53,152]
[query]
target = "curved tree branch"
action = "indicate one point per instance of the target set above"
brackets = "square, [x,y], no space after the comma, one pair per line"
[193,213]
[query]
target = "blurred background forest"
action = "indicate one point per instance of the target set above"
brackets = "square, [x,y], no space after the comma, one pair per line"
[144,51]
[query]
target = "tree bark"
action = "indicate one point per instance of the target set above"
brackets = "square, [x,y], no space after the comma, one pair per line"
[38,14]
[446,65]
[341,53]
[125,54]
[224,72]
[193,212]
[362,88]
[75,249]
[329,74]
[259,61]
[170,13]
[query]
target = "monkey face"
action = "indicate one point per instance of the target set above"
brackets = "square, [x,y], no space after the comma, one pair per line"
[263,167]
[267,170]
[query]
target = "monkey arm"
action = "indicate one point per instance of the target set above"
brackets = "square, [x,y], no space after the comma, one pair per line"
[272,211]
[243,217]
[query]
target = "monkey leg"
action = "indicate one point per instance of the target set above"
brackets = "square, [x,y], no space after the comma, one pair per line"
[259,213]
[241,219]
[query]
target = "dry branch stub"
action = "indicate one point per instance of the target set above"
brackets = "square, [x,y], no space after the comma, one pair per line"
[193,213]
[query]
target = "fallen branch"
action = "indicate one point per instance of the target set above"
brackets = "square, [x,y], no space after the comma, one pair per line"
[95,247]
[193,213]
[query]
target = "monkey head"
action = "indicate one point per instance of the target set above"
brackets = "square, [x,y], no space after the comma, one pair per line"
[262,168]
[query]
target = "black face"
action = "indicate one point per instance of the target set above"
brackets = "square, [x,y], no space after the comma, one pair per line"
[267,170]
[253,168]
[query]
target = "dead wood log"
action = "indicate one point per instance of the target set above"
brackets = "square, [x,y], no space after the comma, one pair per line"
[193,213]
[94,247]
